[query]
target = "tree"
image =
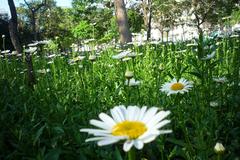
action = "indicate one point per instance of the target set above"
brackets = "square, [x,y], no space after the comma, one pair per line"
[13,23]
[34,8]
[208,11]
[147,13]
[122,21]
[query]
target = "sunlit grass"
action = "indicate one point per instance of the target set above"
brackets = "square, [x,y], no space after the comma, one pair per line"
[45,121]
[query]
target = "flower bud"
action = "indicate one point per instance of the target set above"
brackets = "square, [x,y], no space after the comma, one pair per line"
[129,74]
[92,58]
[219,149]
[3,36]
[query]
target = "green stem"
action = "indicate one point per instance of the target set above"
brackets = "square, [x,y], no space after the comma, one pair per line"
[131,154]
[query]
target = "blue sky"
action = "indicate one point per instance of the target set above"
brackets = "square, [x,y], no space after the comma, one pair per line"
[4,3]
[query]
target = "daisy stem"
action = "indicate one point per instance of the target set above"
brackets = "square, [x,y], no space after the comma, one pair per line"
[131,154]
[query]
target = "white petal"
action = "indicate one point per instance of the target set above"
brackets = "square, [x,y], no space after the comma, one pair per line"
[165,131]
[92,131]
[162,123]
[149,138]
[158,117]
[142,113]
[118,113]
[138,144]
[95,139]
[107,141]
[107,119]
[127,145]
[149,114]
[100,124]
[131,113]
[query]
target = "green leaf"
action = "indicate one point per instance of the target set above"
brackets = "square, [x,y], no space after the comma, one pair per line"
[53,154]
[175,141]
[196,74]
[117,154]
[39,133]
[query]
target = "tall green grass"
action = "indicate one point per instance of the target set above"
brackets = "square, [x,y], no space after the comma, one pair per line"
[44,123]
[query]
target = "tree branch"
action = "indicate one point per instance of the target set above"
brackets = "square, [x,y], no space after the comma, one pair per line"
[35,9]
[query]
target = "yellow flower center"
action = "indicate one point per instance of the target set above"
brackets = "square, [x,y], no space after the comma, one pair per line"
[132,129]
[177,86]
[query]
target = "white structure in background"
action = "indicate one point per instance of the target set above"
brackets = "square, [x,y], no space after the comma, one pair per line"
[4,14]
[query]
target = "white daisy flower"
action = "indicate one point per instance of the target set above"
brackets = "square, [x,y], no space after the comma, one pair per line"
[31,50]
[209,56]
[43,42]
[219,148]
[92,58]
[121,55]
[129,74]
[5,52]
[51,56]
[234,36]
[174,86]
[213,103]
[43,71]
[76,59]
[220,79]
[126,59]
[132,82]
[133,124]
[50,62]
[33,44]
[192,45]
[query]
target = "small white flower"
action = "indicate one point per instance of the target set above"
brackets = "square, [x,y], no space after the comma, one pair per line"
[43,42]
[33,44]
[121,55]
[51,56]
[129,74]
[234,36]
[43,71]
[13,53]
[92,57]
[31,50]
[209,56]
[3,36]
[126,59]
[192,45]
[76,59]
[220,79]
[219,148]
[214,104]
[174,86]
[133,124]
[180,1]
[132,82]
[19,55]
[5,52]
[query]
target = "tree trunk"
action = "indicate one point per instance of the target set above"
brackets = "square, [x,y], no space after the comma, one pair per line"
[31,76]
[149,27]
[122,21]
[13,27]
[16,43]
[145,12]
[33,22]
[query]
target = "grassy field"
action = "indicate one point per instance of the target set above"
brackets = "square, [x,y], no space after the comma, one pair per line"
[44,123]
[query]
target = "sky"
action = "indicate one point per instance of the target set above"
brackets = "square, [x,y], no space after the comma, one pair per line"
[4,4]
